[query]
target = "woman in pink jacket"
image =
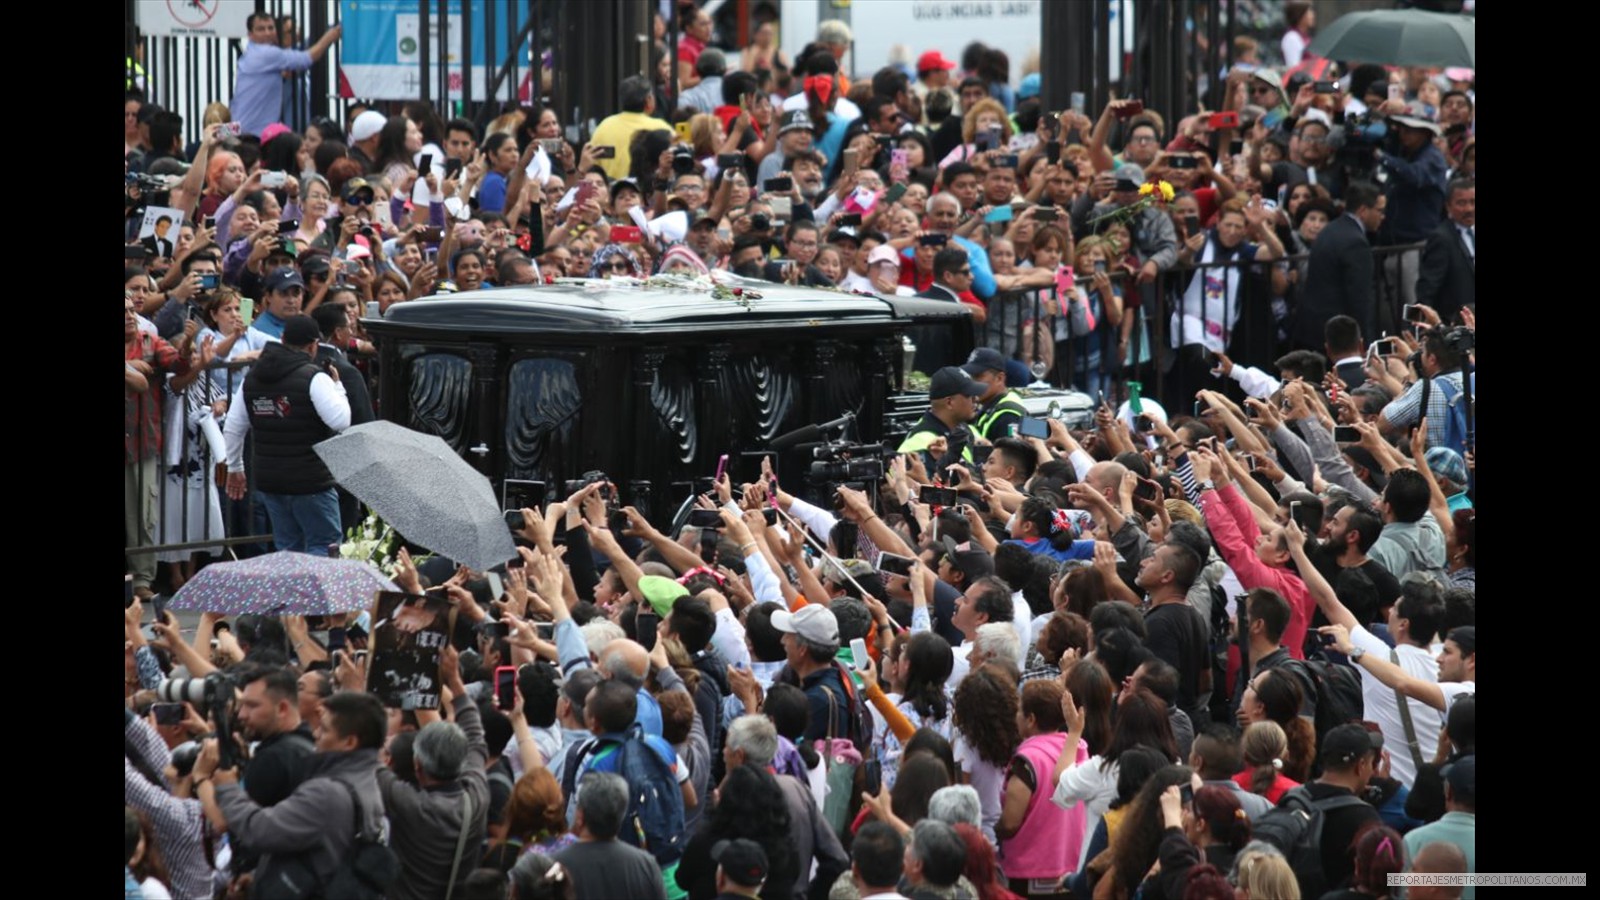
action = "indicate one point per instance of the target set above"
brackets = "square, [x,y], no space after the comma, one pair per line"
[1259,558]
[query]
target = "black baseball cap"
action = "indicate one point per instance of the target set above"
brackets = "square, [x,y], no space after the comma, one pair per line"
[1346,744]
[973,562]
[950,380]
[984,359]
[743,861]
[299,331]
[285,277]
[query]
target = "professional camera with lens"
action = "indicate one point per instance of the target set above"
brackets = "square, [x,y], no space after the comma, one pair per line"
[213,696]
[591,477]
[682,160]
[183,757]
[204,694]
[1460,339]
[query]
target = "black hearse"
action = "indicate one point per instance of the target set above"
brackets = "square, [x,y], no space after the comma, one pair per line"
[649,383]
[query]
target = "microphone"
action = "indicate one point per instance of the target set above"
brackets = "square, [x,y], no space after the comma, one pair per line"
[808,433]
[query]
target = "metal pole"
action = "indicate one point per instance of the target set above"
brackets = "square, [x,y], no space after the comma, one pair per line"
[320,72]
[444,57]
[535,55]
[466,50]
[424,50]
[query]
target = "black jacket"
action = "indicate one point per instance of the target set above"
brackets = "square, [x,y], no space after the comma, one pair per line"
[935,343]
[1338,281]
[285,423]
[355,383]
[1447,278]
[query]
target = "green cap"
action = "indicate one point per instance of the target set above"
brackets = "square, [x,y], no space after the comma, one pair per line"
[661,593]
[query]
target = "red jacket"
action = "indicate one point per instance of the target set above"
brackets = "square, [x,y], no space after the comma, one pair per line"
[1234,530]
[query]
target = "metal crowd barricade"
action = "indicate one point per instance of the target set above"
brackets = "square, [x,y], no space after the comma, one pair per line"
[188,467]
[1259,310]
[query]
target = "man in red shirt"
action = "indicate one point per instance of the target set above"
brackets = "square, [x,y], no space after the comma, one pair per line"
[147,361]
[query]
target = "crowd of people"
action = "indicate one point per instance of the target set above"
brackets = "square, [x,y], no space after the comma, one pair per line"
[1218,652]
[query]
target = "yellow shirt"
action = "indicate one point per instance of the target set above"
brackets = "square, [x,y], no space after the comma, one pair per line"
[617,131]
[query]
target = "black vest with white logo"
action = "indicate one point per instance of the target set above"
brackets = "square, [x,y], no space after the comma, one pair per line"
[277,394]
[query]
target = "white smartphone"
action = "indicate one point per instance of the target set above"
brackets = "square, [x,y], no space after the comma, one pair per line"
[858,653]
[274,179]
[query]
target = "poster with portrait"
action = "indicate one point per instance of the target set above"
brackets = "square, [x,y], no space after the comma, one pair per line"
[158,231]
[408,633]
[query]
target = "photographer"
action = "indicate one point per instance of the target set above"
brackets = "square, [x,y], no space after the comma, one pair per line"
[308,836]
[269,714]
[153,786]
[1439,362]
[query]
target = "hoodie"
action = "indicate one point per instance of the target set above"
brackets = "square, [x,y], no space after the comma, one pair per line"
[1406,547]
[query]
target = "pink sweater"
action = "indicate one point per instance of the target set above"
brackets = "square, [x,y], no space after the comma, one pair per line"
[1049,841]
[1234,530]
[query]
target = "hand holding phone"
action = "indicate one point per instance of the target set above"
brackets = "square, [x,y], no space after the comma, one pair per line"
[505,687]
[894,564]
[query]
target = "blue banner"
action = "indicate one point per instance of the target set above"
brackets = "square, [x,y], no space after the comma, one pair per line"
[381,52]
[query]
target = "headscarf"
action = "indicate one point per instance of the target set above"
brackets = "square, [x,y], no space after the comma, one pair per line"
[683,253]
[605,253]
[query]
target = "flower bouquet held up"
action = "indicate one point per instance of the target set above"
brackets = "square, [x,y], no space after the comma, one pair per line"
[1150,194]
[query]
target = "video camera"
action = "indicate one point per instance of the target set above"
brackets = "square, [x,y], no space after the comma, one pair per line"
[847,461]
[1355,143]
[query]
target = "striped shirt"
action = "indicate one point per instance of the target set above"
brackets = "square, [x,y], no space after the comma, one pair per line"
[179,824]
[1402,411]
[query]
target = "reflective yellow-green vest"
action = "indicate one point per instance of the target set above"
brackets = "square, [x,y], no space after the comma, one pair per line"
[1009,402]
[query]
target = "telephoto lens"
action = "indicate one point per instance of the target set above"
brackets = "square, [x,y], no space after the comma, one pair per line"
[182,690]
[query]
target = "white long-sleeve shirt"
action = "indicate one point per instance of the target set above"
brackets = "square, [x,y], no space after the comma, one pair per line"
[327,395]
[1254,382]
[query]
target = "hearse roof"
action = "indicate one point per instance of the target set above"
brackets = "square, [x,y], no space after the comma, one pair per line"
[582,305]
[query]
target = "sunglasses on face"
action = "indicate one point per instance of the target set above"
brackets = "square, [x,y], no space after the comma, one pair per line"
[616,266]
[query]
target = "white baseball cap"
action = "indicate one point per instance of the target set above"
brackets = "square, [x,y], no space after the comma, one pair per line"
[367,125]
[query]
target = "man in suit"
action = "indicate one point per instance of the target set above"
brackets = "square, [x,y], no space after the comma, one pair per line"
[158,244]
[1341,339]
[1339,277]
[952,277]
[1448,280]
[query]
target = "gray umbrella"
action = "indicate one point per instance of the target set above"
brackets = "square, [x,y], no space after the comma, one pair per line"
[1400,37]
[423,489]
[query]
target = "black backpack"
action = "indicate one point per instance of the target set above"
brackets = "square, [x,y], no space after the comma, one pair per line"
[1295,828]
[365,872]
[1332,691]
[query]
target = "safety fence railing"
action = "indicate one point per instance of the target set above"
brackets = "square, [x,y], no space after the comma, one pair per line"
[1170,327]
